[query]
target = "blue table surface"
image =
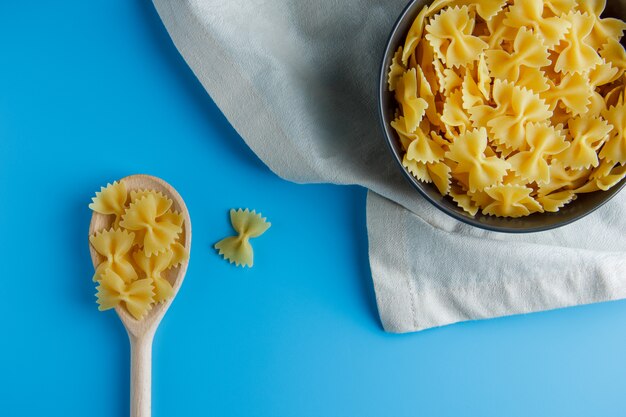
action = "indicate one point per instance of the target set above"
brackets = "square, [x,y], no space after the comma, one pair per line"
[91,91]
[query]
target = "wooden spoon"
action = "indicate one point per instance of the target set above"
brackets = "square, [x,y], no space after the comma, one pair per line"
[141,332]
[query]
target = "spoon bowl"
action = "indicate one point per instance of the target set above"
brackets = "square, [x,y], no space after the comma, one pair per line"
[141,332]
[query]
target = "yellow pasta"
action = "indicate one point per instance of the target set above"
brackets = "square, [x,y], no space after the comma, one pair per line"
[528,51]
[603,29]
[511,201]
[544,141]
[512,107]
[574,92]
[135,282]
[136,296]
[152,267]
[588,134]
[615,148]
[110,200]
[413,107]
[450,34]
[468,151]
[396,70]
[144,216]
[529,13]
[237,249]
[578,55]
[114,245]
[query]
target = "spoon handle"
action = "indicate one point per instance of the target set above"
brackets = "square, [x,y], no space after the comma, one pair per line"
[141,375]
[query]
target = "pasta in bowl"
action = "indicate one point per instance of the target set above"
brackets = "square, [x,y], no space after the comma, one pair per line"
[508,115]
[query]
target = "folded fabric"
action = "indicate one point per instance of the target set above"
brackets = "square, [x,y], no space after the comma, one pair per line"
[298,81]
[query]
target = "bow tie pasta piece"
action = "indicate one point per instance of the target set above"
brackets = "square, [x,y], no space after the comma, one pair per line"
[237,249]
[136,296]
[440,174]
[468,151]
[515,108]
[603,178]
[425,92]
[588,135]
[179,255]
[142,216]
[553,202]
[578,55]
[615,148]
[511,201]
[608,175]
[599,76]
[413,107]
[603,29]
[437,173]
[110,200]
[562,177]
[420,147]
[414,36]
[453,113]
[529,13]
[396,70]
[544,141]
[614,53]
[418,169]
[450,34]
[152,268]
[574,92]
[163,203]
[528,51]
[114,245]
[464,201]
[424,149]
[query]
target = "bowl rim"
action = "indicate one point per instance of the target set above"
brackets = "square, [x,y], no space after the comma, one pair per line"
[464,218]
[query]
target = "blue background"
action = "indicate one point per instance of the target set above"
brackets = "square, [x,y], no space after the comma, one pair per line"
[91,91]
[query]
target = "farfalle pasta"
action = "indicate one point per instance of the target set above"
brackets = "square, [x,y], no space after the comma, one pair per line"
[237,249]
[512,107]
[143,242]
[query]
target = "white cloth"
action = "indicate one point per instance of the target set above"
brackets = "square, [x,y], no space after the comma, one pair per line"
[298,81]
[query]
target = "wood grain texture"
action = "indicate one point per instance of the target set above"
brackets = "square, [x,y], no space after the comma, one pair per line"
[141,332]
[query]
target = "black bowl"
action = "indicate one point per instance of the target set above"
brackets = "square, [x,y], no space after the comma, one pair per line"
[579,208]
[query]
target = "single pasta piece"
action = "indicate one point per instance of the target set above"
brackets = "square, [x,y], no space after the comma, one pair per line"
[114,245]
[237,249]
[589,134]
[110,200]
[468,151]
[136,296]
[615,148]
[529,13]
[603,29]
[579,55]
[152,268]
[144,216]
[450,34]
[528,51]
[544,141]
[511,201]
